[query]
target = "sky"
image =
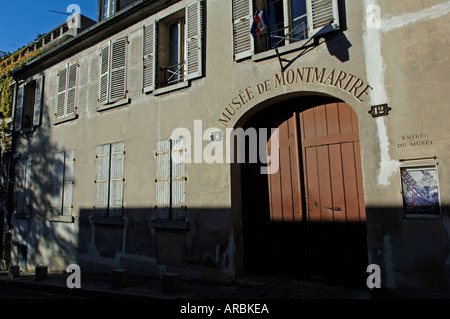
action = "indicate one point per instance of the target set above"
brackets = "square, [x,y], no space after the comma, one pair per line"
[22,20]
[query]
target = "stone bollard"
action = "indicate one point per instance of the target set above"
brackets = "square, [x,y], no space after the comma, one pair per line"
[119,278]
[14,271]
[171,282]
[40,273]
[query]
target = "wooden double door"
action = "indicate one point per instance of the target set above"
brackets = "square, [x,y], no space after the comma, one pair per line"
[306,219]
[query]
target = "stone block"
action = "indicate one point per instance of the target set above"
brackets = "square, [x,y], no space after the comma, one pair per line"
[40,273]
[171,282]
[14,271]
[119,278]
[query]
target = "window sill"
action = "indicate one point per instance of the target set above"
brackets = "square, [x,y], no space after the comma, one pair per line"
[61,219]
[65,119]
[117,221]
[171,88]
[283,50]
[171,224]
[113,105]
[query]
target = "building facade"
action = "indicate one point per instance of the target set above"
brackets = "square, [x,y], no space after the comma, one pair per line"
[177,136]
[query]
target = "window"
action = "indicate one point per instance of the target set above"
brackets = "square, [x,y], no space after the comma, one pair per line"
[110,180]
[62,183]
[67,91]
[176,56]
[290,21]
[171,179]
[108,8]
[113,74]
[22,189]
[29,104]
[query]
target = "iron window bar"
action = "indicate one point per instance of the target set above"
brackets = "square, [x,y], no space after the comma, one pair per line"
[299,23]
[172,74]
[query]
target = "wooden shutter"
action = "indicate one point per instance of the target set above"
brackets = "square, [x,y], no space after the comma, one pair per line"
[61,99]
[19,108]
[38,101]
[193,40]
[102,180]
[19,186]
[163,179]
[57,183]
[323,16]
[118,69]
[69,162]
[71,88]
[178,179]
[104,74]
[27,187]
[242,21]
[149,53]
[116,179]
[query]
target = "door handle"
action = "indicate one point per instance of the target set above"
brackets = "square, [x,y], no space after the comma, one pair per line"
[334,209]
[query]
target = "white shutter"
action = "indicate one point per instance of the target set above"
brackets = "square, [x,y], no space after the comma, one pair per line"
[116,179]
[118,69]
[149,53]
[38,101]
[71,88]
[242,21]
[323,16]
[104,74]
[163,179]
[61,99]
[193,40]
[19,108]
[178,179]
[102,180]
[57,183]
[69,162]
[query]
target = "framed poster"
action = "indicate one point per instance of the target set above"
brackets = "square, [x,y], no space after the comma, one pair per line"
[420,189]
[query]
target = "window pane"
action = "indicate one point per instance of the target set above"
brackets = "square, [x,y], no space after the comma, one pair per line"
[298,19]
[105,9]
[172,63]
[276,17]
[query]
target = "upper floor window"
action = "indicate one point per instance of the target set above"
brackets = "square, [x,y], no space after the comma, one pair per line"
[113,71]
[29,104]
[177,55]
[108,8]
[67,92]
[286,22]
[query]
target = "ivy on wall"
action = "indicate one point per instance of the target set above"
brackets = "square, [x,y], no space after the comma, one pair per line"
[11,62]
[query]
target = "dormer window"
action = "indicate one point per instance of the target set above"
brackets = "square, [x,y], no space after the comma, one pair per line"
[108,8]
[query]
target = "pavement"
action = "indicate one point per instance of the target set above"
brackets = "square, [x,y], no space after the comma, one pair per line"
[249,288]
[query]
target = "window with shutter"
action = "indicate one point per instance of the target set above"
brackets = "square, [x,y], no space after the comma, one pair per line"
[242,20]
[110,180]
[113,71]
[39,88]
[72,88]
[171,179]
[193,40]
[67,91]
[118,69]
[149,52]
[104,74]
[61,98]
[62,183]
[178,39]
[22,188]
[57,184]
[19,108]
[289,21]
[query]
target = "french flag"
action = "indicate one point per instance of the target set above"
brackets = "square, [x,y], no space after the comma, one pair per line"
[260,21]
